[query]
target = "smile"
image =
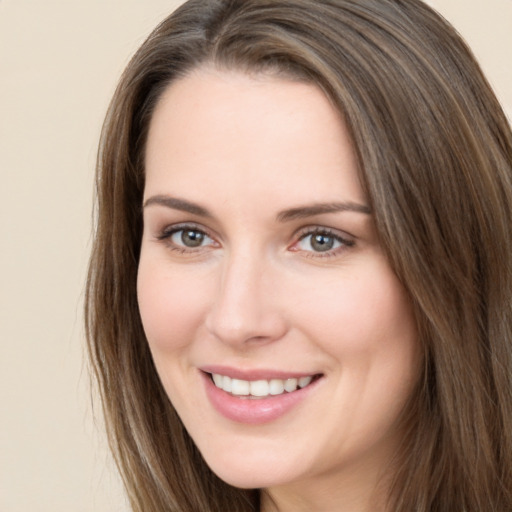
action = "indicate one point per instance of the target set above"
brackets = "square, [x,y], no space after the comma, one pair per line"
[260,388]
[256,396]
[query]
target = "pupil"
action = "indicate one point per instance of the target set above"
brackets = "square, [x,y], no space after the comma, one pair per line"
[192,238]
[322,243]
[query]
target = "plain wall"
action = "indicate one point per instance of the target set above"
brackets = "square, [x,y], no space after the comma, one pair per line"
[59,63]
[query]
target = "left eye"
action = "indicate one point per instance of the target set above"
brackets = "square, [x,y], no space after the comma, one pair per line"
[320,242]
[190,238]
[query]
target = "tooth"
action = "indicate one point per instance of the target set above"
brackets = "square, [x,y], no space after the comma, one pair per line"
[290,385]
[239,387]
[226,384]
[304,381]
[259,388]
[276,387]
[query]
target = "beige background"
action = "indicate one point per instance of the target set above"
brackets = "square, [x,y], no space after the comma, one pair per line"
[59,62]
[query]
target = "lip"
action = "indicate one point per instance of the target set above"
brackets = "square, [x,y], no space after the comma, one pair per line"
[254,374]
[254,411]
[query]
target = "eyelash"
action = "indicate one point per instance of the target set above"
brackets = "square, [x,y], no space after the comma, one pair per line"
[344,243]
[167,234]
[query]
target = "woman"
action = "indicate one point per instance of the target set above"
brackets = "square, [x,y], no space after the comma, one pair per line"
[299,296]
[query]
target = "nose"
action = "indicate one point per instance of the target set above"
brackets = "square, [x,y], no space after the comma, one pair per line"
[244,309]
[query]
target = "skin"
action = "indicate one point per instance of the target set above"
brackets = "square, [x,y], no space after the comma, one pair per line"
[256,293]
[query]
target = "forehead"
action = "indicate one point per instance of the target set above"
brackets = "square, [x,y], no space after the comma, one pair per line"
[214,127]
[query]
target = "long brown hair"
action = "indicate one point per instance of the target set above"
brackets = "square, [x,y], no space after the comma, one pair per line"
[435,158]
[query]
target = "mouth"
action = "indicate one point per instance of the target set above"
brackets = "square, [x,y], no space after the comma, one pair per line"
[257,396]
[261,388]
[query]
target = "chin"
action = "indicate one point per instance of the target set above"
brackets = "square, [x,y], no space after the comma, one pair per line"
[248,480]
[250,475]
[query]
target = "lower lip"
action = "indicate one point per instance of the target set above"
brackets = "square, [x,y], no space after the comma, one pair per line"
[254,411]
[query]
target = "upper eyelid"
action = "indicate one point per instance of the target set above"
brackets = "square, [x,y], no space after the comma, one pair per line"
[309,230]
[173,228]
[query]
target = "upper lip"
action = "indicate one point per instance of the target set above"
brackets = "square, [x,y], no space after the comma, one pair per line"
[255,373]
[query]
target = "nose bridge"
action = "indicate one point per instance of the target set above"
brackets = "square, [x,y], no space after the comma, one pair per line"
[243,308]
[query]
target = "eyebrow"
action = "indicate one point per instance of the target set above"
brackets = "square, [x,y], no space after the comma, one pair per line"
[320,208]
[299,212]
[178,204]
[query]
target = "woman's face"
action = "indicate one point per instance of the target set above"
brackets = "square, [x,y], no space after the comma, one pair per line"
[261,272]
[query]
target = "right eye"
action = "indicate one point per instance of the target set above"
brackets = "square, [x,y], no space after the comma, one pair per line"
[185,238]
[190,238]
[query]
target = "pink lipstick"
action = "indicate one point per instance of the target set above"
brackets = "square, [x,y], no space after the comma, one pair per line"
[258,396]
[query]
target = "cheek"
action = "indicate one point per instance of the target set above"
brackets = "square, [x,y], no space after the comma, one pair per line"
[365,323]
[361,314]
[171,305]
